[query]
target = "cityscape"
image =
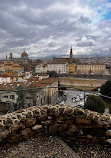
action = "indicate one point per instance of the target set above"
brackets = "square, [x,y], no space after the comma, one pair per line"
[55,79]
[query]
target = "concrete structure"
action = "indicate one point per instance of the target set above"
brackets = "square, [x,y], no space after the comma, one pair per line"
[64,121]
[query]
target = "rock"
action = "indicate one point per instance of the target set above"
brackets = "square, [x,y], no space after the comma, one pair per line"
[26,131]
[4,133]
[108,133]
[53,111]
[53,129]
[79,112]
[69,111]
[15,139]
[15,128]
[47,122]
[2,126]
[36,112]
[30,122]
[37,127]
[62,127]
[72,128]
[108,141]
[83,120]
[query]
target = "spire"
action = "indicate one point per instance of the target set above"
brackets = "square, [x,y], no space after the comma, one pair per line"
[6,56]
[71,55]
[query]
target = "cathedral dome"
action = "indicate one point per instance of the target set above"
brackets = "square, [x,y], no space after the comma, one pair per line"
[24,55]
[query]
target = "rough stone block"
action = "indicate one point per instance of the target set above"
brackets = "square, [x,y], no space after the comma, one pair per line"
[4,134]
[37,127]
[83,120]
[108,133]
[30,122]
[62,127]
[26,131]
[53,129]
[72,128]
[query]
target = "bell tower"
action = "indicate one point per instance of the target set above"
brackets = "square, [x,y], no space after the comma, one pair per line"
[71,55]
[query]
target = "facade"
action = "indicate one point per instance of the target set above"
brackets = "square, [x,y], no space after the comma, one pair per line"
[51,89]
[59,67]
[72,68]
[91,68]
[27,93]
[5,79]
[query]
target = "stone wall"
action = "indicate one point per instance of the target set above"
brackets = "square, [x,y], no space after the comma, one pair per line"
[81,82]
[65,121]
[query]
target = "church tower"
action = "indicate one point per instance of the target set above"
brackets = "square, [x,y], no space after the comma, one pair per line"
[71,55]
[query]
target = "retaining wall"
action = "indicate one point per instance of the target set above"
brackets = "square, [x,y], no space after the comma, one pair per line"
[65,121]
[81,81]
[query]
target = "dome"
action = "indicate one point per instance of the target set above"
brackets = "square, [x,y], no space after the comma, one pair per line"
[24,55]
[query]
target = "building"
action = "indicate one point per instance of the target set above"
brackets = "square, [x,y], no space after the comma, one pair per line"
[91,68]
[51,89]
[72,68]
[11,66]
[26,93]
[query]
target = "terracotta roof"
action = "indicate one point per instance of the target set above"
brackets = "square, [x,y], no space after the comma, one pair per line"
[48,80]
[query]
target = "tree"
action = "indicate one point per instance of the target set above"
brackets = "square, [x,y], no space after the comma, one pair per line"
[95,103]
[106,89]
[53,74]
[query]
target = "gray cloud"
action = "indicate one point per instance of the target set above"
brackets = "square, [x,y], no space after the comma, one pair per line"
[51,27]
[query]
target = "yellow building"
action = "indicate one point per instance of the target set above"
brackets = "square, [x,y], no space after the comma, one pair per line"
[10,66]
[91,68]
[72,68]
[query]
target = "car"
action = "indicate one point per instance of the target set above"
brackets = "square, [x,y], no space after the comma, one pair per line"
[77,99]
[81,104]
[62,103]
[74,100]
[81,96]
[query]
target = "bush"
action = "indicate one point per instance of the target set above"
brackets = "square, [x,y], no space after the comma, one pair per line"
[106,89]
[95,103]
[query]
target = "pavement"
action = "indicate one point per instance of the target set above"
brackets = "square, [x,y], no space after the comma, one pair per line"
[71,94]
[40,147]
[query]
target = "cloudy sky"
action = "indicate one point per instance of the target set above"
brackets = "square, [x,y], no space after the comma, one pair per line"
[50,27]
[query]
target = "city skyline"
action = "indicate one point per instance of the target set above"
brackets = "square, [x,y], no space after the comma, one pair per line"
[50,28]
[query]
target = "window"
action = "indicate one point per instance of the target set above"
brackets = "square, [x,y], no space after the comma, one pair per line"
[5,96]
[12,97]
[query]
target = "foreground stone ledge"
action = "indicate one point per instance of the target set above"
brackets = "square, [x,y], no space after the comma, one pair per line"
[65,121]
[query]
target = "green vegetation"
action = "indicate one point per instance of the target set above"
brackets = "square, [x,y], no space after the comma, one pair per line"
[95,103]
[106,90]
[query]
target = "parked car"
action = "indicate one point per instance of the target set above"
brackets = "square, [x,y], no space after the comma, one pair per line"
[81,104]
[81,96]
[74,100]
[77,99]
[62,103]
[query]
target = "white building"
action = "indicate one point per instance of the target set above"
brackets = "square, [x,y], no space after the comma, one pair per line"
[5,79]
[59,67]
